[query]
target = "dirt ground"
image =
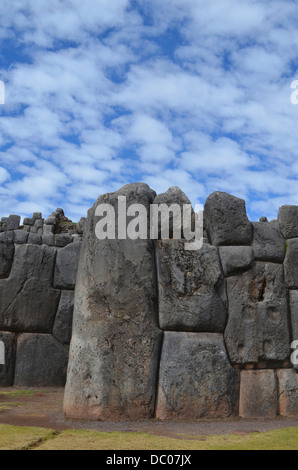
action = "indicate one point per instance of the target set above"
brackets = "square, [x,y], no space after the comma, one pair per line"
[45,409]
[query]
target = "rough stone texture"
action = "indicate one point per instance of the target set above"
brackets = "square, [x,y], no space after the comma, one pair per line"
[174,195]
[20,237]
[268,243]
[196,379]
[81,225]
[294,313]
[28,221]
[291,264]
[28,303]
[288,221]
[115,346]
[48,239]
[63,322]
[257,329]
[235,258]
[7,369]
[62,240]
[226,221]
[34,239]
[189,284]
[67,266]
[6,259]
[258,394]
[13,222]
[287,392]
[41,361]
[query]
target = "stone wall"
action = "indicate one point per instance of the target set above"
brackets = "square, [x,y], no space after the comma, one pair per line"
[158,331]
[38,266]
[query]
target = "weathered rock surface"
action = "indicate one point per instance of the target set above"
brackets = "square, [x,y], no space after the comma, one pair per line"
[63,321]
[7,369]
[288,221]
[257,329]
[28,303]
[115,346]
[196,379]
[6,259]
[174,195]
[291,264]
[235,258]
[258,394]
[41,361]
[226,221]
[189,283]
[287,392]
[268,243]
[67,266]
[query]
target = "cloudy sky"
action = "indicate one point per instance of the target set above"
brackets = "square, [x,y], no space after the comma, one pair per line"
[193,93]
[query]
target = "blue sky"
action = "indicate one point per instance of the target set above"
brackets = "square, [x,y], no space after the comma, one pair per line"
[188,93]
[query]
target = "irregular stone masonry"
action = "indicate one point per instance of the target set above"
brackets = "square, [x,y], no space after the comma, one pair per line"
[157,331]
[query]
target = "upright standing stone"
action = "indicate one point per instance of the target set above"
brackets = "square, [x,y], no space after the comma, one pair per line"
[268,243]
[287,392]
[196,379]
[258,394]
[226,221]
[115,346]
[190,285]
[258,322]
[288,221]
[291,264]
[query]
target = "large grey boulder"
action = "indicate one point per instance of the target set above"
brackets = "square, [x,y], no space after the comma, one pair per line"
[196,379]
[190,285]
[28,302]
[63,321]
[115,346]
[294,313]
[258,394]
[174,196]
[291,264]
[13,222]
[288,221]
[66,268]
[268,243]
[226,221]
[257,329]
[41,361]
[235,258]
[288,392]
[7,369]
[6,259]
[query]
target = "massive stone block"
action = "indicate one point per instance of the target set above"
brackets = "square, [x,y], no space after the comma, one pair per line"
[287,392]
[226,221]
[67,266]
[196,379]
[268,243]
[28,303]
[190,284]
[291,264]
[258,394]
[7,369]
[115,346]
[41,361]
[174,195]
[257,329]
[288,221]
[235,258]
[294,313]
[63,322]
[6,259]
